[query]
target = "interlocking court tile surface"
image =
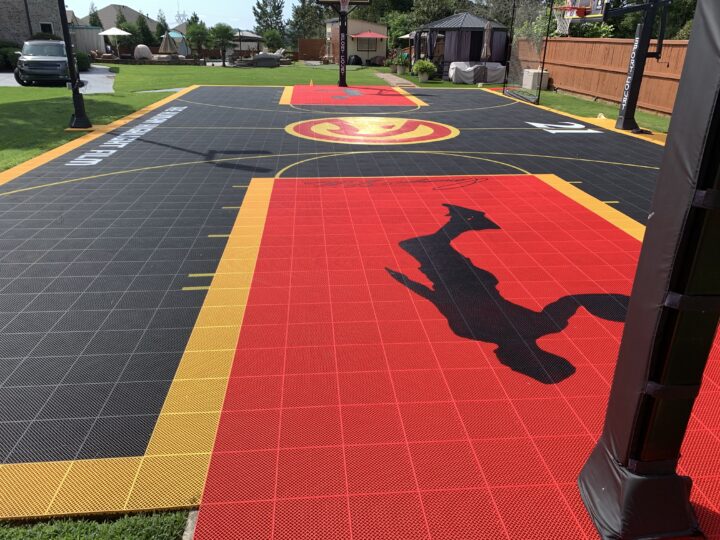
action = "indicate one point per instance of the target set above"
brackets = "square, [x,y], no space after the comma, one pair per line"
[132,288]
[408,369]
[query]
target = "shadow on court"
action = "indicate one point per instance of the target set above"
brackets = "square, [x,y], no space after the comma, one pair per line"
[468,297]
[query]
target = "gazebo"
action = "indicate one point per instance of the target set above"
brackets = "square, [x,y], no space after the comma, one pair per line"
[464,35]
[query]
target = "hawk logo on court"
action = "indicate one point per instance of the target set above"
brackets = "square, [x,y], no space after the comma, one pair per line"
[372,130]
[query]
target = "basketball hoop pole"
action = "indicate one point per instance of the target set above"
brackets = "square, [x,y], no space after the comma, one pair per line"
[342,81]
[79,118]
[342,9]
[638,56]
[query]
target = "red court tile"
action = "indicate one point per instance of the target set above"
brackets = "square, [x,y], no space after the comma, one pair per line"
[373,404]
[375,96]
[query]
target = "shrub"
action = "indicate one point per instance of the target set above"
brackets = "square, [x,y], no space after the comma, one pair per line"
[424,66]
[8,58]
[83,61]
[7,44]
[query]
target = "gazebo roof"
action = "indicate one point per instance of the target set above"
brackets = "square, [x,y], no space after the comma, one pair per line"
[462,21]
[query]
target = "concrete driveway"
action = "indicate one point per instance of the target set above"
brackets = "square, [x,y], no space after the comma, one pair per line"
[99,80]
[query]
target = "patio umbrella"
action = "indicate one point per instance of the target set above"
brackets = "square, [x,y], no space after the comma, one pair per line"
[369,35]
[168,45]
[486,52]
[115,32]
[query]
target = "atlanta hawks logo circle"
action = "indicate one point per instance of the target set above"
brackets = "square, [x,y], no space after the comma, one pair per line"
[372,130]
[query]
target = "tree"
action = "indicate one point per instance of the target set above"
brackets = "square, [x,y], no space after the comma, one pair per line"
[94,18]
[162,25]
[221,36]
[131,41]
[307,21]
[144,34]
[273,39]
[194,19]
[269,16]
[426,11]
[197,35]
[680,13]
[398,24]
[120,17]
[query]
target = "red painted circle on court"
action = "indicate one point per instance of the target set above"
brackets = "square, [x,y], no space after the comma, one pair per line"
[372,130]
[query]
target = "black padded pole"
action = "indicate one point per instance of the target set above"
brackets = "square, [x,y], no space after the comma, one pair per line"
[629,484]
[79,119]
[343,48]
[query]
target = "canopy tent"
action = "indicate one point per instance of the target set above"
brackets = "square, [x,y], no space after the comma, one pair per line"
[247,41]
[464,39]
[183,48]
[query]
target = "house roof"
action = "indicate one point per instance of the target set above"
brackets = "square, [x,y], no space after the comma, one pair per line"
[108,16]
[247,35]
[462,21]
[182,28]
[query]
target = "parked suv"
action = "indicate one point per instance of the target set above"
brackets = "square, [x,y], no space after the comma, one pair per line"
[42,61]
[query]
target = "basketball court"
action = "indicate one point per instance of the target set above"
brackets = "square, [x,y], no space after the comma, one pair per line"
[320,312]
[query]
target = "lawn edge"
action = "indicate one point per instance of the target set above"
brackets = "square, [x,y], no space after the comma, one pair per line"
[98,131]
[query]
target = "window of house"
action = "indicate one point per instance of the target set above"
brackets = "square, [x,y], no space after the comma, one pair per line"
[367,44]
[46,28]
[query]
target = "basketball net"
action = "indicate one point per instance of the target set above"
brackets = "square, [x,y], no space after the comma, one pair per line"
[563,17]
[344,6]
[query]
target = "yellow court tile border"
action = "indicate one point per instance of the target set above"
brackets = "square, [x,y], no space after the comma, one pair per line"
[99,131]
[608,213]
[605,123]
[173,470]
[416,100]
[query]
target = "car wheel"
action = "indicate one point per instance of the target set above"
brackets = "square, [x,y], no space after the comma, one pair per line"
[19,79]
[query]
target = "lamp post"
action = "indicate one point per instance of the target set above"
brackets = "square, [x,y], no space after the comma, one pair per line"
[79,119]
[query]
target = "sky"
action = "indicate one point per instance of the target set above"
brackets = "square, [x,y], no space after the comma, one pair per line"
[236,13]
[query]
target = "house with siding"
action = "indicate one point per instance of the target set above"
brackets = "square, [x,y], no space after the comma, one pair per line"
[20,19]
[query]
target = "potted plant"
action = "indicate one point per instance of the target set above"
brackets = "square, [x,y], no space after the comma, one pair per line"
[401,64]
[389,62]
[424,69]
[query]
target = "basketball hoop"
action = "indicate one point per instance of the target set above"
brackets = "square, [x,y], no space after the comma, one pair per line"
[564,16]
[344,6]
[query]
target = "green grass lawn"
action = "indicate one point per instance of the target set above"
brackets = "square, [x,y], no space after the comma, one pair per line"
[585,107]
[159,526]
[134,78]
[34,119]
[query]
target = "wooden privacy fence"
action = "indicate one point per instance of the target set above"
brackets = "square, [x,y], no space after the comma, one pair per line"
[598,68]
[311,49]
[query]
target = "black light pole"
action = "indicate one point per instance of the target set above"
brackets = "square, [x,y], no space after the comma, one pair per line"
[79,118]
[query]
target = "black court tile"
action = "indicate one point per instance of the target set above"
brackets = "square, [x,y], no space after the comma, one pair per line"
[102,368]
[37,321]
[114,342]
[16,345]
[151,367]
[11,433]
[22,402]
[140,299]
[174,317]
[59,439]
[133,398]
[53,302]
[63,344]
[40,371]
[74,321]
[128,319]
[76,401]
[96,301]
[118,437]
[164,340]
